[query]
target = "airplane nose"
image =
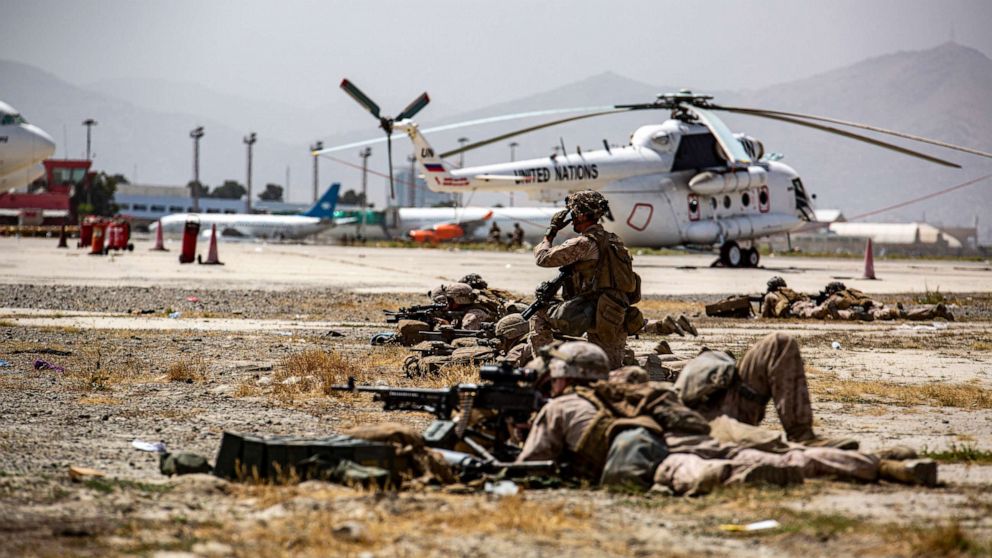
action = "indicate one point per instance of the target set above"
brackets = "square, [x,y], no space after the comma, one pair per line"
[44,145]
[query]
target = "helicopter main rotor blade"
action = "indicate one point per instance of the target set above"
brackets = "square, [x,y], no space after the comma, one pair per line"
[845,133]
[527,130]
[414,107]
[362,98]
[861,126]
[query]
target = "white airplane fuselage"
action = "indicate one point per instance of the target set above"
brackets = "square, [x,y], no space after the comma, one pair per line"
[245,225]
[23,147]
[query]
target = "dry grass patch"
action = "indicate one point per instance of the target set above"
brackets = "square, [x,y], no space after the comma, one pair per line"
[99,400]
[396,525]
[828,387]
[314,371]
[247,388]
[658,308]
[187,370]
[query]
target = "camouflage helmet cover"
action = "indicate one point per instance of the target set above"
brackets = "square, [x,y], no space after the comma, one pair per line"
[474,280]
[459,293]
[776,283]
[834,287]
[512,326]
[588,202]
[578,360]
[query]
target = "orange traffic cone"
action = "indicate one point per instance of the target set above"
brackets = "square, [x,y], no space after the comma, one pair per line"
[869,261]
[159,243]
[62,240]
[212,251]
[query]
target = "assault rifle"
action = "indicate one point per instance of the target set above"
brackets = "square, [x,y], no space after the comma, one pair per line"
[545,293]
[448,334]
[427,313]
[511,394]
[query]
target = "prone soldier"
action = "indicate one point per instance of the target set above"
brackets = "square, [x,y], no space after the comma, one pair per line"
[462,301]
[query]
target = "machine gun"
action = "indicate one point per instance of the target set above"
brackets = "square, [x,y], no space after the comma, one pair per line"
[427,313]
[545,293]
[507,396]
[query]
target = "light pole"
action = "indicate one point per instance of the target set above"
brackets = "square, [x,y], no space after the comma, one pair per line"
[411,192]
[461,164]
[513,157]
[249,141]
[89,123]
[196,134]
[364,154]
[313,151]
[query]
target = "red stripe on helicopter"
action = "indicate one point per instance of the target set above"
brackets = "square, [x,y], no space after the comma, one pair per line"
[433,167]
[455,182]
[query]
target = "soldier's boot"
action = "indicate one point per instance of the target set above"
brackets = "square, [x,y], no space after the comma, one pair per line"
[914,471]
[670,326]
[713,475]
[629,358]
[761,473]
[897,453]
[663,348]
[683,323]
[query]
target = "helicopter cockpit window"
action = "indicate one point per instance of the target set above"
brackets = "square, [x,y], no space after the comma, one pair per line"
[697,151]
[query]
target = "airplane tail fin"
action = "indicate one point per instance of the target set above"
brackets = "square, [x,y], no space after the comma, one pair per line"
[324,208]
[435,174]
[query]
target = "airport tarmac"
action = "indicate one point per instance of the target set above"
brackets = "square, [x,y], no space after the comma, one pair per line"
[361,269]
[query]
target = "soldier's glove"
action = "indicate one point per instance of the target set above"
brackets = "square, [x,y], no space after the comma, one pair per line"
[558,221]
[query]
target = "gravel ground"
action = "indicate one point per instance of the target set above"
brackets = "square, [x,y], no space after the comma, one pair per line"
[124,384]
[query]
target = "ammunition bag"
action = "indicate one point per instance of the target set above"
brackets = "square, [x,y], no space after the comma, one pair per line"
[409,332]
[611,316]
[632,459]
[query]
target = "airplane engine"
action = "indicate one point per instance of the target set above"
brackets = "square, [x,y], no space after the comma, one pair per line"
[449,231]
[708,183]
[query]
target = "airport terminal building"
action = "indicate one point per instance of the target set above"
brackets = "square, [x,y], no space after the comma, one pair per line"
[147,203]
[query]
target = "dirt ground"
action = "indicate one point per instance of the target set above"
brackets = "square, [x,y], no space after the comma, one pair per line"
[227,363]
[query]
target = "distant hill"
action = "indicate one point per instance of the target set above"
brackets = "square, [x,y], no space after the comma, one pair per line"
[943,92]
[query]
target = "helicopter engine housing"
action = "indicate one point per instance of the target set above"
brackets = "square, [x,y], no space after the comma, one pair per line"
[709,183]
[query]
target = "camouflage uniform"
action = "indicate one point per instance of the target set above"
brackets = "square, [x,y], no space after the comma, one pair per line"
[495,233]
[782,302]
[559,427]
[512,331]
[461,298]
[517,236]
[771,370]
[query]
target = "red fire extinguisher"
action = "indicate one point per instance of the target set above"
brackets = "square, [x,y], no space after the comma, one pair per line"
[190,233]
[96,243]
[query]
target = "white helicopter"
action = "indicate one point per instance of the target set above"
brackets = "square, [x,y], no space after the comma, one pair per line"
[686,181]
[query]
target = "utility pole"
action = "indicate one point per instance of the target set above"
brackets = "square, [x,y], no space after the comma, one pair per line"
[313,151]
[249,141]
[196,134]
[411,192]
[89,123]
[364,154]
[513,157]
[461,164]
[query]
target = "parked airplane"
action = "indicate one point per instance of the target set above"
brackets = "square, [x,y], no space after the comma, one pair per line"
[401,222]
[312,221]
[23,147]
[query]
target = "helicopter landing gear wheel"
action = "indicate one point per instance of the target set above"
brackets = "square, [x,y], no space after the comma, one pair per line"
[731,254]
[751,257]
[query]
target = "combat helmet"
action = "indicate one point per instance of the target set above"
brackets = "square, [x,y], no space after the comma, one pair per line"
[588,202]
[578,360]
[776,283]
[512,326]
[834,287]
[459,293]
[474,280]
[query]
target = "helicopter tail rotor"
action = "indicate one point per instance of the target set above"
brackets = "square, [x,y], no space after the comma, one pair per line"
[385,122]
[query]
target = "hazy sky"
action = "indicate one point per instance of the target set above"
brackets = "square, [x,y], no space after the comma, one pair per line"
[297,51]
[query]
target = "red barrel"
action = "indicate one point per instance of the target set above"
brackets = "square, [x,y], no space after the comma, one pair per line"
[190,232]
[96,243]
[118,235]
[86,231]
